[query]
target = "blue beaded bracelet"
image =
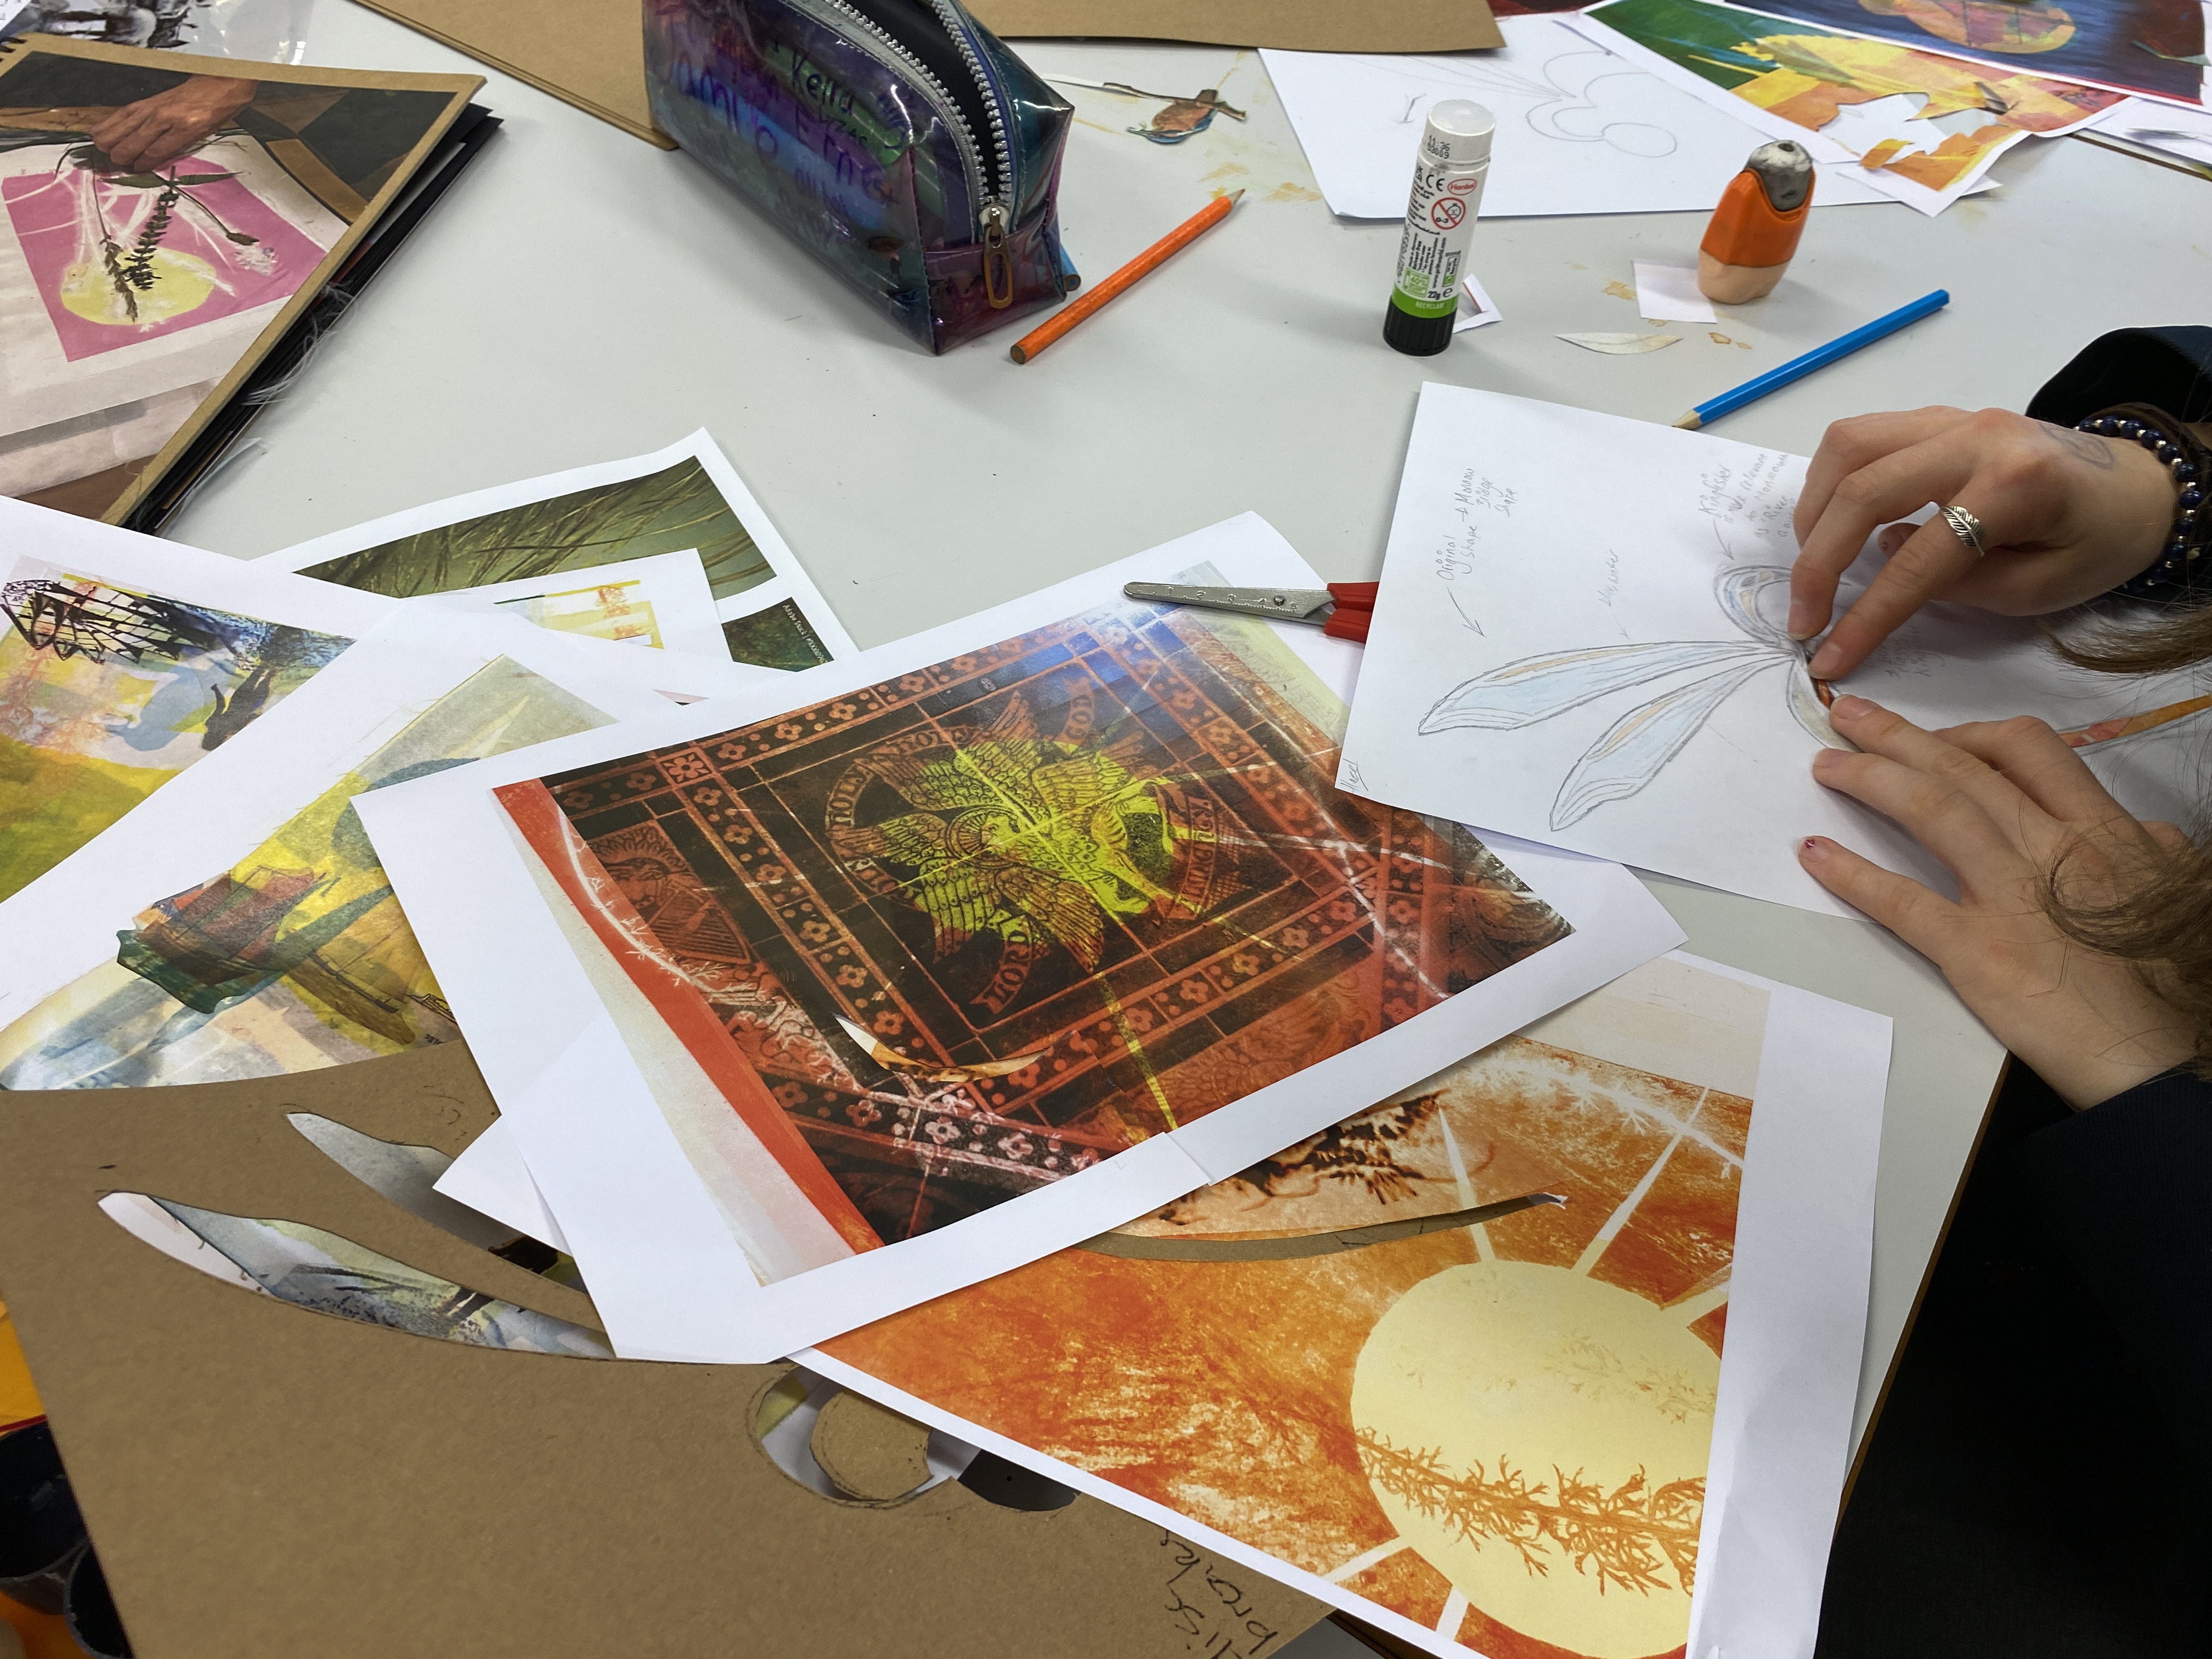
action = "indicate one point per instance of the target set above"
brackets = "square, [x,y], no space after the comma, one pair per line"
[2171,578]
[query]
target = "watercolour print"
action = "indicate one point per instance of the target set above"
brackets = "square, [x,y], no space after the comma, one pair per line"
[946,939]
[107,692]
[1509,1435]
[130,292]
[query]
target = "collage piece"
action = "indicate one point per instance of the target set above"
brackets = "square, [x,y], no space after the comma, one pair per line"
[687,496]
[1002,935]
[1609,1420]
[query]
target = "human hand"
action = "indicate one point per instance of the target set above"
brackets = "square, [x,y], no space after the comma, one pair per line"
[2004,804]
[2068,516]
[159,129]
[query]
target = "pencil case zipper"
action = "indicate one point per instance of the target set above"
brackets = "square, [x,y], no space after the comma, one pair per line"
[993,190]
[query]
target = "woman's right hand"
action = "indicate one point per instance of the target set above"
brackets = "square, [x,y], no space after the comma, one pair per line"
[2067,515]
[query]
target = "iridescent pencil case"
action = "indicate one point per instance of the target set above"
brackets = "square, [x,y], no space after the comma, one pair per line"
[898,140]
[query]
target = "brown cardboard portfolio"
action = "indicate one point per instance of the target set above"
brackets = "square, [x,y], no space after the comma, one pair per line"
[261,1478]
[1290,25]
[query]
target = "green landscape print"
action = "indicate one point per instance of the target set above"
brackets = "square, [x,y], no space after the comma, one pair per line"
[107,693]
[665,512]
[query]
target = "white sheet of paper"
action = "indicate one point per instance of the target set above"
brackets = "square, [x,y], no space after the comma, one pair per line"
[201,823]
[1669,293]
[1580,128]
[1476,308]
[668,1271]
[2170,129]
[1796,1323]
[1681,738]
[786,579]
[663,601]
[1836,147]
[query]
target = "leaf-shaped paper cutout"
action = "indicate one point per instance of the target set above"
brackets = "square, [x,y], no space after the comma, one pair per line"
[1642,741]
[1620,345]
[311,1268]
[1531,689]
[1739,589]
[1805,703]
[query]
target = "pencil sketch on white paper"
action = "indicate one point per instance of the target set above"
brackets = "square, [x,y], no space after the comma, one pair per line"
[1636,747]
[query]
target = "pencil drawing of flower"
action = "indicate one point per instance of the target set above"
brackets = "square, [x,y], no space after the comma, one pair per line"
[1636,747]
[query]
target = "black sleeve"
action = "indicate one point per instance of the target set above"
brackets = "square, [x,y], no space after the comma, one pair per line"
[2168,367]
[2126,1188]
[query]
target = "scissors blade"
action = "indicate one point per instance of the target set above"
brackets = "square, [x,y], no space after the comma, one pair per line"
[1305,605]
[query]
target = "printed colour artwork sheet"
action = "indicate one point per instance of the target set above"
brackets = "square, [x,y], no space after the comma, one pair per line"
[685,496]
[239,925]
[1601,660]
[2154,47]
[1580,129]
[1606,1428]
[1916,126]
[124,661]
[1005,933]
[132,298]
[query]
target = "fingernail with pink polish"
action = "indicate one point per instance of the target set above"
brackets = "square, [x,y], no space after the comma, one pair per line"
[1812,847]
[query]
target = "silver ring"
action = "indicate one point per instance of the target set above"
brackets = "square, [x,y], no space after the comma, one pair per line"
[1968,529]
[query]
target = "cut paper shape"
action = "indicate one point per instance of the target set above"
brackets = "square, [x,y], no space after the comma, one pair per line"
[1669,293]
[1621,345]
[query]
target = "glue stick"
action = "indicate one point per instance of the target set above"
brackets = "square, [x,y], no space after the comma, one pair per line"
[1448,177]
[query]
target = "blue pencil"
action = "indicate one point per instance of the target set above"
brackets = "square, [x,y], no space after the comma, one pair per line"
[1819,358]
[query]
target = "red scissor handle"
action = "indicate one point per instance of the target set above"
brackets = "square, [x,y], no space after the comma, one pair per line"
[1355,609]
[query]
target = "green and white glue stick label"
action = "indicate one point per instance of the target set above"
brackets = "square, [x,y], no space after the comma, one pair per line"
[1454,159]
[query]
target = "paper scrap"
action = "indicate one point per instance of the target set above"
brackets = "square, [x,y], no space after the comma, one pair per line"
[2182,134]
[1668,293]
[1477,309]
[1621,345]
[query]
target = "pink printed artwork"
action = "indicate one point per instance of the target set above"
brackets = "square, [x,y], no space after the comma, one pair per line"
[115,263]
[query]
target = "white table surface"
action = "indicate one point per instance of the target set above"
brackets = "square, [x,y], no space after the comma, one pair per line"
[581,296]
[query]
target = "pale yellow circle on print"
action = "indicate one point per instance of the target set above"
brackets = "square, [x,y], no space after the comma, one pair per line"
[1481,1387]
[182,283]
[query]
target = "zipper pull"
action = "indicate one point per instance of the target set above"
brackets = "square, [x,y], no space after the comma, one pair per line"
[998,263]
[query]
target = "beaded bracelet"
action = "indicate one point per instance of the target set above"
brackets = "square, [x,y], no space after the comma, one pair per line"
[2171,579]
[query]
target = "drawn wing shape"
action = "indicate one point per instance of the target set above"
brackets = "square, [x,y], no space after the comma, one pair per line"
[1740,587]
[1642,741]
[1534,688]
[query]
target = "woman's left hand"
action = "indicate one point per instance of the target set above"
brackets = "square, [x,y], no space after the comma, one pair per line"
[2003,804]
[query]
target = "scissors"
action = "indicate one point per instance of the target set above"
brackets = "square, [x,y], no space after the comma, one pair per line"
[1342,609]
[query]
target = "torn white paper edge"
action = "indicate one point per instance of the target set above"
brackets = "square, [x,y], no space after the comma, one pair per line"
[1476,308]
[1796,1327]
[787,578]
[1669,293]
[666,1271]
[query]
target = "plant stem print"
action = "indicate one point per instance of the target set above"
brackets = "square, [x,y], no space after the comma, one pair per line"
[298,956]
[949,938]
[107,692]
[1499,1432]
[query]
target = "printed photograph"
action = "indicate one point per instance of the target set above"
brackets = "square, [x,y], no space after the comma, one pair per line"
[945,940]
[1499,1432]
[670,511]
[107,693]
[298,956]
[155,222]
[1815,78]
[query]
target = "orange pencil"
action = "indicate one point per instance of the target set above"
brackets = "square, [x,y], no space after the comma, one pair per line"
[1151,260]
